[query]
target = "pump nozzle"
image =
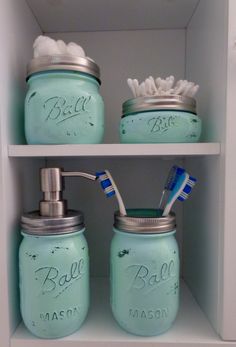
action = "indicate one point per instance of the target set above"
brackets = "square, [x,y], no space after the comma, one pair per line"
[52,185]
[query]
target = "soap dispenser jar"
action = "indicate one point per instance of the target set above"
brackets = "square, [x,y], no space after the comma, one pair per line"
[54,262]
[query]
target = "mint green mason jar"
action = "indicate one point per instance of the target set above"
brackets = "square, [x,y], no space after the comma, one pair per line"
[160,119]
[144,272]
[54,274]
[63,104]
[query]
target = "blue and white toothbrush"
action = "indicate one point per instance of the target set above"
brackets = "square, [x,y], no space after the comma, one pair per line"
[170,183]
[181,191]
[109,187]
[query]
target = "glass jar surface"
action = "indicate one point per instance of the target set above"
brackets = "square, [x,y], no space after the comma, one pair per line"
[63,107]
[160,126]
[144,281]
[54,283]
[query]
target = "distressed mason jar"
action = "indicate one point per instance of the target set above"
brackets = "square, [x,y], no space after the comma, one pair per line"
[160,119]
[54,274]
[144,272]
[63,104]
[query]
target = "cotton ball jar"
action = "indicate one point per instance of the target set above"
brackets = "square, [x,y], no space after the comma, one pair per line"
[63,104]
[160,119]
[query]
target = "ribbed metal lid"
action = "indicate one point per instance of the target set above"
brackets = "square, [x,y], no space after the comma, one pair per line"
[63,62]
[150,103]
[34,224]
[145,221]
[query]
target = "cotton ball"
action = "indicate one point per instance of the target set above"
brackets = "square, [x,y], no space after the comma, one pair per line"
[74,49]
[44,45]
[62,46]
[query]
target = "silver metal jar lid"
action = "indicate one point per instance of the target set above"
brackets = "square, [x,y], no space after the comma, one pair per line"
[165,102]
[34,224]
[63,62]
[142,221]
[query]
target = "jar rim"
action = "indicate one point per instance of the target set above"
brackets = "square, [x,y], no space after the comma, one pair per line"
[164,102]
[63,62]
[34,224]
[145,221]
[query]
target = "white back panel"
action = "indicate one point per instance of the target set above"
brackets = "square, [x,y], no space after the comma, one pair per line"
[135,54]
[98,15]
[121,55]
[204,216]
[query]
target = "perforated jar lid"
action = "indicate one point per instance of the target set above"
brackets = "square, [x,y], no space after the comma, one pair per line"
[34,224]
[145,221]
[165,102]
[63,62]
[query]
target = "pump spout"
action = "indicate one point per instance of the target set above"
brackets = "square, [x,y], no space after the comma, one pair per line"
[78,174]
[52,185]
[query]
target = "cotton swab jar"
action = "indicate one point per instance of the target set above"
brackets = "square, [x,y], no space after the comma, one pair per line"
[63,104]
[160,119]
[144,271]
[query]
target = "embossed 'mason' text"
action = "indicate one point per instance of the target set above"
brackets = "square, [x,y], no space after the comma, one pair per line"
[60,315]
[159,313]
[59,109]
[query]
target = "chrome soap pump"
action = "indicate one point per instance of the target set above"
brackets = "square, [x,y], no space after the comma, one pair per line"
[54,262]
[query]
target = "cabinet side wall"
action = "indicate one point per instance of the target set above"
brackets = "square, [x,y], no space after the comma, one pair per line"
[204,215]
[229,279]
[18,30]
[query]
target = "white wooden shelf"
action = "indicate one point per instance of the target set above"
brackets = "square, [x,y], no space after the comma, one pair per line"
[190,329]
[115,150]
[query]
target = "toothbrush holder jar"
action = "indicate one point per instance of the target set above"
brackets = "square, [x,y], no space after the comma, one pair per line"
[144,272]
[54,274]
[63,104]
[160,119]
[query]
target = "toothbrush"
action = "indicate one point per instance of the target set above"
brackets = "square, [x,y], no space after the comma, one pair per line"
[181,191]
[171,181]
[110,189]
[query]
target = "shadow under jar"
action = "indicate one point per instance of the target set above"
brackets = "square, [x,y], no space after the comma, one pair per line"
[144,272]
[63,104]
[160,119]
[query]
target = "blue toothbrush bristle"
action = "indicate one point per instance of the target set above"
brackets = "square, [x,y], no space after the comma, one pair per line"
[105,184]
[187,189]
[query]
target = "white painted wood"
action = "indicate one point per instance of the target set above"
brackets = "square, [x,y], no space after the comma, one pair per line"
[90,15]
[115,150]
[135,54]
[228,281]
[204,215]
[190,329]
[18,28]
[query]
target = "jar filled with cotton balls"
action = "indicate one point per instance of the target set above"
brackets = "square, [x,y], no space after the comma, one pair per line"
[160,112]
[63,104]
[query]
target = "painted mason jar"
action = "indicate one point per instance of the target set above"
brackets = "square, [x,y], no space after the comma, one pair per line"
[160,119]
[54,274]
[63,104]
[144,272]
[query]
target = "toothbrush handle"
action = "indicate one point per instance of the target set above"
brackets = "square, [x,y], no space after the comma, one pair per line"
[119,198]
[161,199]
[174,198]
